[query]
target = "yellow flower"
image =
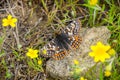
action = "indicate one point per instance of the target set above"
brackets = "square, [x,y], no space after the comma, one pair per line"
[40,62]
[44,51]
[9,21]
[93,2]
[32,53]
[99,52]
[76,62]
[111,52]
[82,78]
[107,73]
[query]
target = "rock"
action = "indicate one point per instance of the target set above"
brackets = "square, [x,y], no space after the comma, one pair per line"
[60,69]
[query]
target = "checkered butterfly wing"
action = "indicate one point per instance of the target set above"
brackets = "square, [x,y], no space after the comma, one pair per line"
[68,39]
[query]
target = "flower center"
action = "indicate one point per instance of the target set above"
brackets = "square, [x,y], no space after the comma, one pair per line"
[100,51]
[9,21]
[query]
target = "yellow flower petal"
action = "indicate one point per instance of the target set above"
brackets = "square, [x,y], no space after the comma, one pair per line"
[107,47]
[14,20]
[40,62]
[93,2]
[107,55]
[5,24]
[96,59]
[82,78]
[111,52]
[4,20]
[107,73]
[91,54]
[12,25]
[28,54]
[99,43]
[36,51]
[93,48]
[76,62]
[9,16]
[30,50]
[102,60]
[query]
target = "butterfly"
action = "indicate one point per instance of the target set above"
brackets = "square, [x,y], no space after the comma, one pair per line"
[65,41]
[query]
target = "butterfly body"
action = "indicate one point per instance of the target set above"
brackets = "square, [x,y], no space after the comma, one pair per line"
[63,42]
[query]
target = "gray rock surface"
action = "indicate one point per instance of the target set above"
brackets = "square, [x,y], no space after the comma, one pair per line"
[60,69]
